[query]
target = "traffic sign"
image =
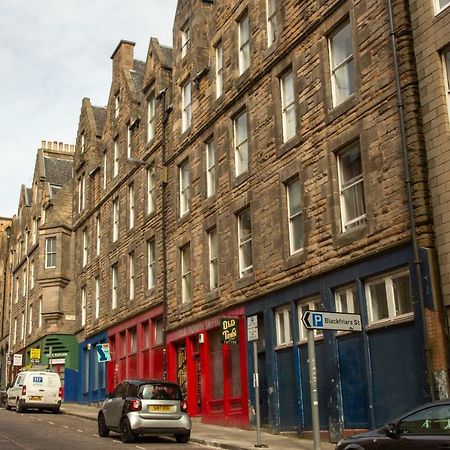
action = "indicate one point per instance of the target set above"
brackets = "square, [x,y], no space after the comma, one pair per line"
[252,328]
[103,353]
[321,320]
[35,353]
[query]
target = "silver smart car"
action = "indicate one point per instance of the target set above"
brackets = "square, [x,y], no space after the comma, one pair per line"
[143,407]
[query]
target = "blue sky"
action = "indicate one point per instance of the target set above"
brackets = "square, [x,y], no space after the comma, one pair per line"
[52,54]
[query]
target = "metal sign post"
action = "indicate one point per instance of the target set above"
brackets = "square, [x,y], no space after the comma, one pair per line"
[252,336]
[313,388]
[322,320]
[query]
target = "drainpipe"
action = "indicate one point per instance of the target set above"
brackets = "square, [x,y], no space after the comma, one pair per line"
[27,292]
[166,112]
[415,245]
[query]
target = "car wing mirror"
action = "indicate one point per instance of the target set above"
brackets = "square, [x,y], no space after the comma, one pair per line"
[390,429]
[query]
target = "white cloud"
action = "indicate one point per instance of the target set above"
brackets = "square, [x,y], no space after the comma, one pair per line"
[54,53]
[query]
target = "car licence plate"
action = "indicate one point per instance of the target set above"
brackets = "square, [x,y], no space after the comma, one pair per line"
[35,397]
[160,408]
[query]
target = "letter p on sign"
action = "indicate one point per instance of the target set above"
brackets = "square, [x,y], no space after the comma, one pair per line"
[317,320]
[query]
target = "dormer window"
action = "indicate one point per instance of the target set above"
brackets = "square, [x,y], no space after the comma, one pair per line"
[185,40]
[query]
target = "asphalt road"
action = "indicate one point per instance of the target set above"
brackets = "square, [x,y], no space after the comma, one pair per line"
[34,430]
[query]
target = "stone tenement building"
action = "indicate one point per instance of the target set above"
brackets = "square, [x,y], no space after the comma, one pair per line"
[262,166]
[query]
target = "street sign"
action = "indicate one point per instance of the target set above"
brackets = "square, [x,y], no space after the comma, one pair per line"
[252,328]
[17,361]
[35,353]
[321,320]
[103,353]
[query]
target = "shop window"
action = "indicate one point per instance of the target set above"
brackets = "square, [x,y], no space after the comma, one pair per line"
[283,326]
[133,340]
[145,335]
[216,364]
[308,305]
[234,355]
[389,297]
[159,331]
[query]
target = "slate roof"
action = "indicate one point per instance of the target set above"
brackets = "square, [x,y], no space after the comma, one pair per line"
[57,171]
[100,118]
[137,74]
[167,55]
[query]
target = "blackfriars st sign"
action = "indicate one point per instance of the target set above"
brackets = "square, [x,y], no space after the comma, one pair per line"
[229,331]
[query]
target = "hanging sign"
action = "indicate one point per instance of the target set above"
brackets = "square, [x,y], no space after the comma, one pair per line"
[229,331]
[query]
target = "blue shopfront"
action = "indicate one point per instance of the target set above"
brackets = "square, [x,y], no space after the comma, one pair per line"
[92,374]
[364,378]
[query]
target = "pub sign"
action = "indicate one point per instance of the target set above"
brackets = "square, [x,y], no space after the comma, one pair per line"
[229,331]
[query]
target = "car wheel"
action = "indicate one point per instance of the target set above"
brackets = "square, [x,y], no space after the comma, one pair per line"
[102,429]
[183,438]
[56,410]
[126,434]
[19,407]
[7,407]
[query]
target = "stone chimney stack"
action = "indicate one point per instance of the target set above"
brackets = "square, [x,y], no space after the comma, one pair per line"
[123,56]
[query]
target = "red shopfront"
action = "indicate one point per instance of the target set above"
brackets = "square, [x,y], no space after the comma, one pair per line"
[136,347]
[212,375]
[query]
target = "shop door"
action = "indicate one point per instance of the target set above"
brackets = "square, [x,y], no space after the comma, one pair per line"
[263,397]
[182,368]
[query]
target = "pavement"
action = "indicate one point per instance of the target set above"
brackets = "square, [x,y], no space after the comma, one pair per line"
[217,436]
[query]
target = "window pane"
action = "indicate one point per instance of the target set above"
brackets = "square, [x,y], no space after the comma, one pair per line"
[378,298]
[402,294]
[341,45]
[215,356]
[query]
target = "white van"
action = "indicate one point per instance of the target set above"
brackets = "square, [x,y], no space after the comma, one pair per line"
[41,390]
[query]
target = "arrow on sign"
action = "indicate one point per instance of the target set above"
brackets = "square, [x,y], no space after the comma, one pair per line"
[103,354]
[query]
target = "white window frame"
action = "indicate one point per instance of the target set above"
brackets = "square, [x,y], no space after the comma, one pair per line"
[186,275]
[186,102]
[40,313]
[288,112]
[151,263]
[185,40]
[83,306]
[219,69]
[105,174]
[151,190]
[116,157]
[355,185]
[131,206]
[345,64]
[184,187]
[30,319]
[114,285]
[131,276]
[446,68]
[311,304]
[283,326]
[271,10]
[387,279]
[98,236]
[244,241]
[97,297]
[240,144]
[244,43]
[81,192]
[22,327]
[295,218]
[213,259]
[116,217]
[117,105]
[85,248]
[151,117]
[32,274]
[351,296]
[129,140]
[438,8]
[50,252]
[210,156]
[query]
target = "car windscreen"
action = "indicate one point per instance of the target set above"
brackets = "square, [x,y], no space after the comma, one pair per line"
[155,391]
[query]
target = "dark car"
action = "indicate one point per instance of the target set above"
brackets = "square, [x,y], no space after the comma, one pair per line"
[426,427]
[145,407]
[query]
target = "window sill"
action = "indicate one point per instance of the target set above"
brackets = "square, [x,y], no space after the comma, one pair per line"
[184,307]
[296,259]
[184,218]
[405,318]
[342,108]
[303,342]
[244,281]
[285,147]
[212,295]
[237,180]
[283,346]
[349,236]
